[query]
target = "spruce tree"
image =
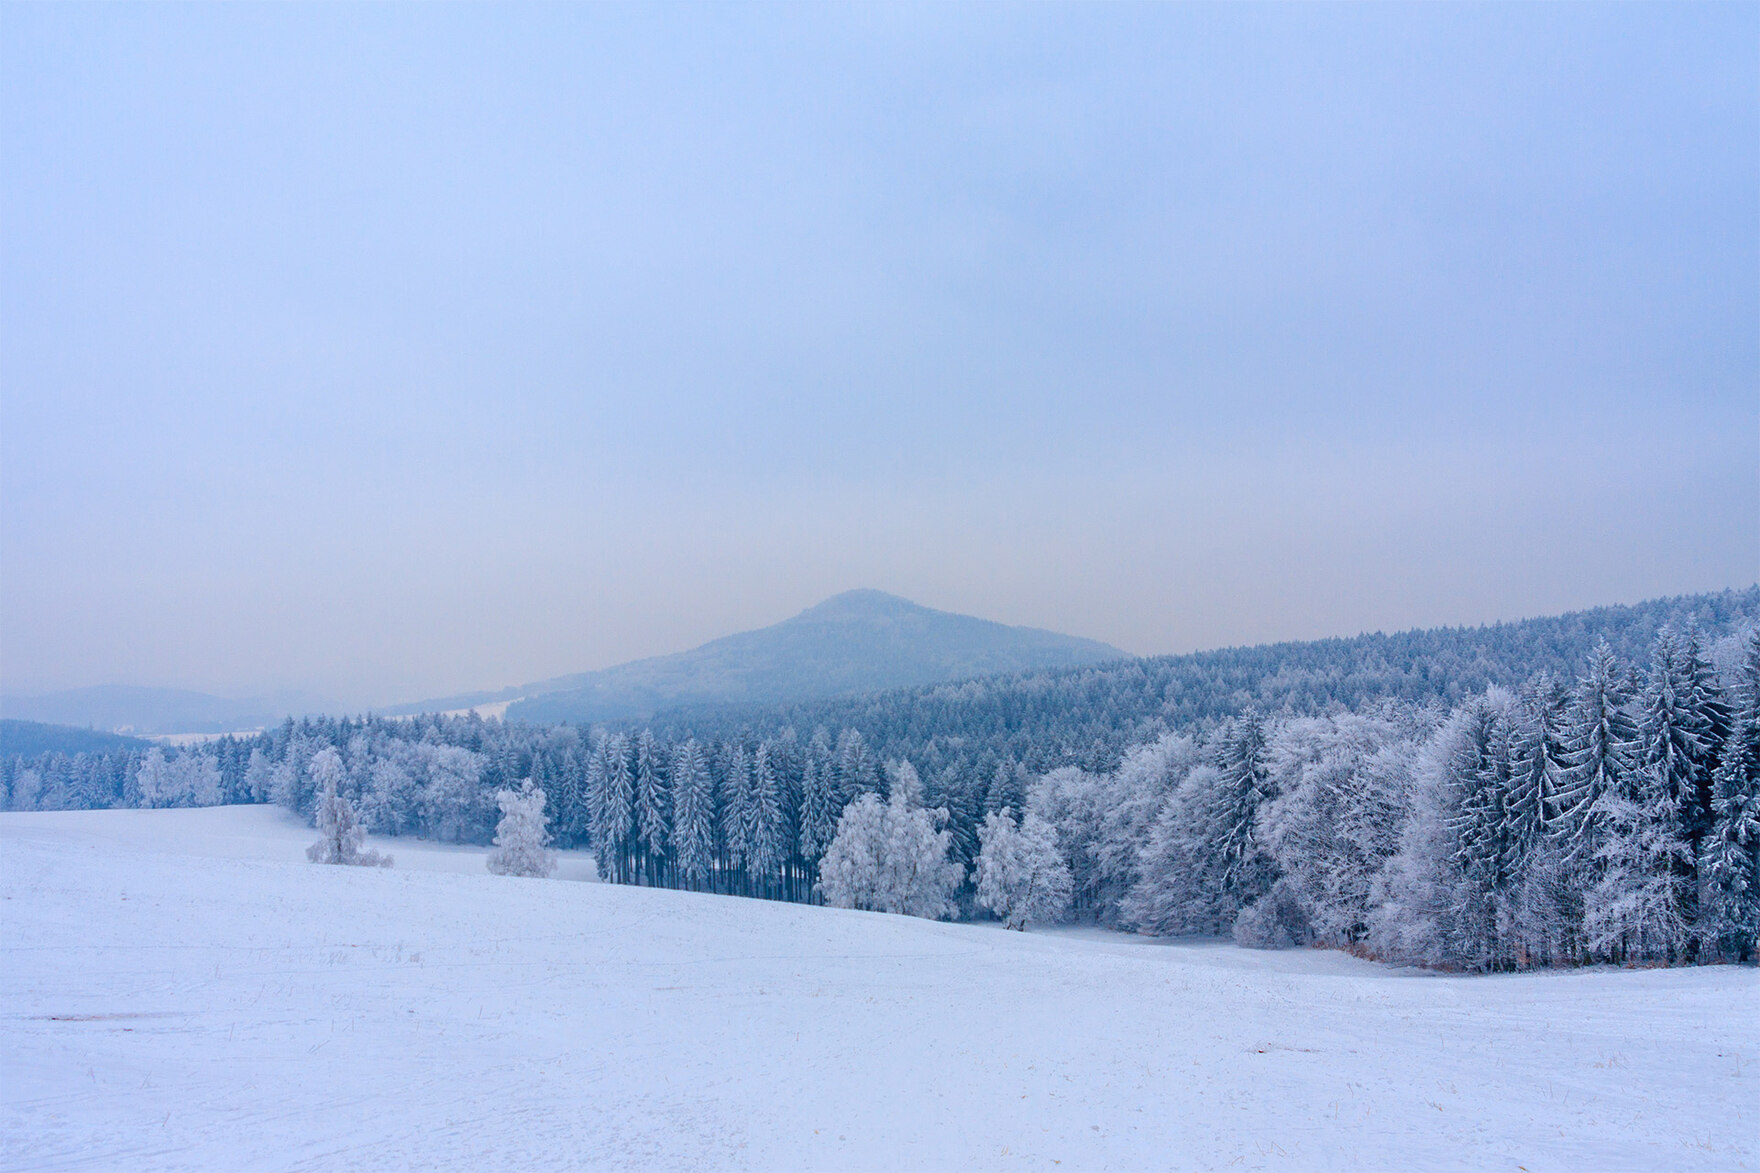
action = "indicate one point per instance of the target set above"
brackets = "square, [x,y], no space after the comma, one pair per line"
[1243,785]
[819,808]
[765,841]
[611,795]
[1598,745]
[1706,699]
[736,814]
[652,807]
[693,826]
[1729,855]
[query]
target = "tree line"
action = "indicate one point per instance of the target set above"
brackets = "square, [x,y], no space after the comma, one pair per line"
[1611,817]
[1613,820]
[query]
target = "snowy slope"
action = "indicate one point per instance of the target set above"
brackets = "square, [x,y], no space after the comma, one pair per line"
[181,991]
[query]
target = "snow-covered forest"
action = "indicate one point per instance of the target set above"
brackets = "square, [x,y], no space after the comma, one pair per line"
[1610,816]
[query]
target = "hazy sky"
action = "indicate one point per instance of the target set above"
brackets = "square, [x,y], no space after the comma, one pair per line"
[392,351]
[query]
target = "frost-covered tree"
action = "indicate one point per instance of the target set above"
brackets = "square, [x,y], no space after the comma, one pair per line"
[610,800]
[1074,803]
[890,857]
[819,805]
[767,836]
[904,784]
[153,781]
[1129,801]
[1439,897]
[259,776]
[200,782]
[857,772]
[563,778]
[340,834]
[392,801]
[693,808]
[853,873]
[1243,786]
[27,789]
[190,778]
[1642,901]
[652,807]
[1180,887]
[1729,855]
[452,805]
[1637,908]
[1598,744]
[1674,734]
[1021,877]
[1713,709]
[1342,783]
[1537,764]
[522,836]
[1203,861]
[1007,788]
[293,787]
[738,819]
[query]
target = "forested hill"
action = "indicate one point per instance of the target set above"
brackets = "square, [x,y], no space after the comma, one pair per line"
[854,642]
[1089,715]
[27,739]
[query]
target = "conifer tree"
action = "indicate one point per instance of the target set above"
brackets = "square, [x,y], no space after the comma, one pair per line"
[1536,766]
[693,827]
[652,807]
[1643,898]
[1481,771]
[1242,786]
[857,772]
[819,808]
[611,794]
[1006,788]
[766,839]
[1729,855]
[1598,745]
[736,814]
[1714,709]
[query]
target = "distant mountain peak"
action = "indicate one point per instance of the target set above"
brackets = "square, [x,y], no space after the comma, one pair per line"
[862,640]
[863,601]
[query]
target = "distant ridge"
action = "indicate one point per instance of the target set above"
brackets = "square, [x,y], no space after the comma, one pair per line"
[858,641]
[1043,716]
[27,739]
[129,708]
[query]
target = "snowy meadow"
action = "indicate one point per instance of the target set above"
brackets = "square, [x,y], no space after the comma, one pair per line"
[182,990]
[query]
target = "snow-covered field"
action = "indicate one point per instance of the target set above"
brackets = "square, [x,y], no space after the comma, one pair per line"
[181,990]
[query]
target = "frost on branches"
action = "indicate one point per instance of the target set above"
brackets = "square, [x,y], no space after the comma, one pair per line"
[1021,875]
[892,856]
[522,837]
[340,834]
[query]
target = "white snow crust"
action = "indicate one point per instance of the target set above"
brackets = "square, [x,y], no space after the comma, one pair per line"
[180,989]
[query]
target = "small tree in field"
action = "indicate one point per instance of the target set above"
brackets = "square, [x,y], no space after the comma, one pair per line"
[340,834]
[1021,875]
[522,837]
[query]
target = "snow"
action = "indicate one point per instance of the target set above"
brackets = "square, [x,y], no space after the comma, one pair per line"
[181,990]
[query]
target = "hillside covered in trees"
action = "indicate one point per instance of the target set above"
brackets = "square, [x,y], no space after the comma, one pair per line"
[1466,798]
[1090,716]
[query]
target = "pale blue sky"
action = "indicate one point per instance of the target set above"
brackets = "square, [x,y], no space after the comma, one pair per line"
[391,351]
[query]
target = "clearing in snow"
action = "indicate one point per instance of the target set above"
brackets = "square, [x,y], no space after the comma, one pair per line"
[181,990]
